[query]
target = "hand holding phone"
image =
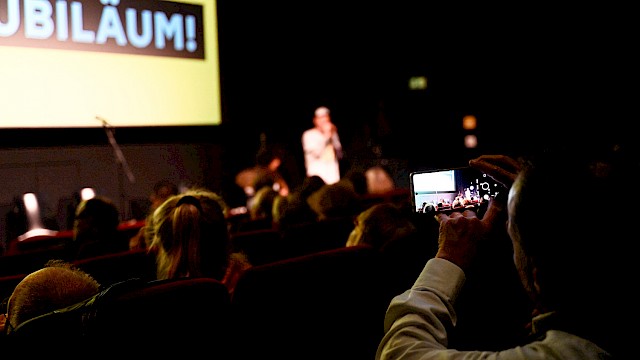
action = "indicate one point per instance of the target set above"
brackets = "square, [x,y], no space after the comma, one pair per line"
[501,168]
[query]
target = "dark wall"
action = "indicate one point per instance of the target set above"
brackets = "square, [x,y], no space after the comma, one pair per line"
[532,76]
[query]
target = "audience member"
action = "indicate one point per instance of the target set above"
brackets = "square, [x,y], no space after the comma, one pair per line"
[378,180]
[570,263]
[322,148]
[259,214]
[57,285]
[95,229]
[262,207]
[294,208]
[457,202]
[162,190]
[266,172]
[335,200]
[190,238]
[380,224]
[428,208]
[270,159]
[358,179]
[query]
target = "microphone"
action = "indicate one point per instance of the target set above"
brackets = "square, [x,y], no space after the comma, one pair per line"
[110,130]
[104,121]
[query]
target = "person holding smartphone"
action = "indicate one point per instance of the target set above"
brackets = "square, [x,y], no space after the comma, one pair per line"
[568,260]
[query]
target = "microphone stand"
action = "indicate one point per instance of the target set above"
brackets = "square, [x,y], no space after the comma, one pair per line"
[123,166]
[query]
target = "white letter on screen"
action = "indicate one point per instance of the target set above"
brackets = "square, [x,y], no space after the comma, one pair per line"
[78,34]
[13,19]
[110,26]
[38,23]
[62,20]
[143,40]
[173,29]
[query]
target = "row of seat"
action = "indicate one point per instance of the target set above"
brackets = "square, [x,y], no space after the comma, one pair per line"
[270,244]
[261,246]
[106,269]
[57,239]
[331,302]
[28,255]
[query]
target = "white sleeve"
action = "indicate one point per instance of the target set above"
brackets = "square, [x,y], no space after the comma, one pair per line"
[313,143]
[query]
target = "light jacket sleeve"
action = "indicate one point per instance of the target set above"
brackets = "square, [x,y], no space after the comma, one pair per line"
[417,322]
[421,317]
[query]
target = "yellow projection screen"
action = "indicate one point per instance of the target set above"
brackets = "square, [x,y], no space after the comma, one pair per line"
[132,63]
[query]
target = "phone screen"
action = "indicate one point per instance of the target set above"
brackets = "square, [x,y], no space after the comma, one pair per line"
[452,189]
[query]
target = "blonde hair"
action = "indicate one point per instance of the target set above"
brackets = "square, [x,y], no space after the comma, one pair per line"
[190,236]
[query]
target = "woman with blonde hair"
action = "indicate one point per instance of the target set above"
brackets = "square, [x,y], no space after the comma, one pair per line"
[190,237]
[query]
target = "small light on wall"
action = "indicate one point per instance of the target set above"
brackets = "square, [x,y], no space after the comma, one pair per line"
[469,122]
[470,141]
[87,193]
[31,204]
[418,83]
[34,219]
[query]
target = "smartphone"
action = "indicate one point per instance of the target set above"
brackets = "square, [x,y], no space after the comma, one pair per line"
[451,189]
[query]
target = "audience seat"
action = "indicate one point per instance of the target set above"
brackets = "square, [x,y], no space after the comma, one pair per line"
[183,308]
[252,224]
[322,305]
[402,260]
[260,246]
[134,314]
[308,238]
[39,243]
[24,263]
[111,268]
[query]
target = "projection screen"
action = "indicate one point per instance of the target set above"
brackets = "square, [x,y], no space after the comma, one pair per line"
[77,64]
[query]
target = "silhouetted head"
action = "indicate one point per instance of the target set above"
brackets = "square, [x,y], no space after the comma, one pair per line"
[95,219]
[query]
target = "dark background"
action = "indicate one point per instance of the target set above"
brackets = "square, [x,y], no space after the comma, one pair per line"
[531,76]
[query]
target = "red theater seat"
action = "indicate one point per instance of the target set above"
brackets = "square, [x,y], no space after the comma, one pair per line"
[111,268]
[326,304]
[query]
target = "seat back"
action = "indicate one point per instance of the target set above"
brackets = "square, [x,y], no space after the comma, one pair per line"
[308,238]
[26,262]
[402,260]
[116,267]
[126,313]
[261,246]
[184,307]
[324,303]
